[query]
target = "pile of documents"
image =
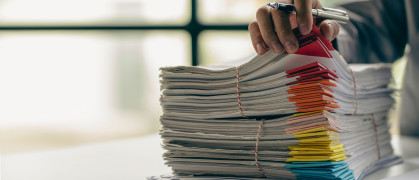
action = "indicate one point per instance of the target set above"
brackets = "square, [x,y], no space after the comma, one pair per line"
[306,115]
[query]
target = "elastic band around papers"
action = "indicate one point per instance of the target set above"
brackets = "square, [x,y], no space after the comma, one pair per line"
[356,93]
[238,91]
[256,148]
[376,136]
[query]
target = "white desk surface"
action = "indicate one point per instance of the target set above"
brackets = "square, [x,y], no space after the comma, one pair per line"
[137,158]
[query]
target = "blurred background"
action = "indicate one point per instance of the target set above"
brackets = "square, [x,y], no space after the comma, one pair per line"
[83,71]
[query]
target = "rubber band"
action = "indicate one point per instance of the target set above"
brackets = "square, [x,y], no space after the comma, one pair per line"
[355,92]
[256,148]
[260,123]
[376,136]
[238,91]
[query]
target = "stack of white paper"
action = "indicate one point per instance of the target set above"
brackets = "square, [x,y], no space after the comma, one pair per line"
[304,115]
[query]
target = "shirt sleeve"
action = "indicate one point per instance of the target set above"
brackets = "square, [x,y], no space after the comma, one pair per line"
[377,31]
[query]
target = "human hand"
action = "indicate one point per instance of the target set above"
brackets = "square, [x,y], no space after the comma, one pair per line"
[273,28]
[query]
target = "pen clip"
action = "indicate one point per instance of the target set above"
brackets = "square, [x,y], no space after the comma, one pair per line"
[329,13]
[339,11]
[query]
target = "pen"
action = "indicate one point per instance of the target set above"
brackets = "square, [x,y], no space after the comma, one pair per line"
[325,13]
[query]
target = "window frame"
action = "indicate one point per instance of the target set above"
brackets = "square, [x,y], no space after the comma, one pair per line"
[193,28]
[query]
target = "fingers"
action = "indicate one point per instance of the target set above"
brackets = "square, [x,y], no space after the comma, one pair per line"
[283,30]
[257,40]
[304,17]
[329,29]
[273,29]
[264,20]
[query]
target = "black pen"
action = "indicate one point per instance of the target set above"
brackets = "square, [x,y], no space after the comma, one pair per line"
[325,13]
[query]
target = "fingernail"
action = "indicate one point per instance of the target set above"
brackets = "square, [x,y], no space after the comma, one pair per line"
[277,46]
[331,31]
[259,48]
[291,47]
[303,28]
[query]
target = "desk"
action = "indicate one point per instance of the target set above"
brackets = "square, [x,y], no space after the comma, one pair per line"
[137,158]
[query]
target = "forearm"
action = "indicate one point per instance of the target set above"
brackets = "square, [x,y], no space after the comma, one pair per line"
[376,32]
